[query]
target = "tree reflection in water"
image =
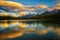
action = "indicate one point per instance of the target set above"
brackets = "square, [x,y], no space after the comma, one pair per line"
[16,29]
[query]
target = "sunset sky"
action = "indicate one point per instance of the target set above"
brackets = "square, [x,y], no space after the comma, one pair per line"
[36,2]
[30,5]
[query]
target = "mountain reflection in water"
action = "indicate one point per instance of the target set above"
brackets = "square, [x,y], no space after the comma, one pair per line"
[29,30]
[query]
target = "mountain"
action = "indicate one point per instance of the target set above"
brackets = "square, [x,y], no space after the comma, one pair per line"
[54,14]
[37,14]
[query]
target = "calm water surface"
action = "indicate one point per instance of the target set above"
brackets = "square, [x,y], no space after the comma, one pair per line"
[30,30]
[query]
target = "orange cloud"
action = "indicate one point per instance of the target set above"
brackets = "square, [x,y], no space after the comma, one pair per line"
[27,7]
[4,14]
[57,6]
[41,6]
[11,4]
[22,13]
[30,8]
[50,9]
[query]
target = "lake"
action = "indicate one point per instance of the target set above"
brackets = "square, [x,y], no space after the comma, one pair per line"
[30,29]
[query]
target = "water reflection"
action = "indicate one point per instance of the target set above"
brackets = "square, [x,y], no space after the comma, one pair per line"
[18,28]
